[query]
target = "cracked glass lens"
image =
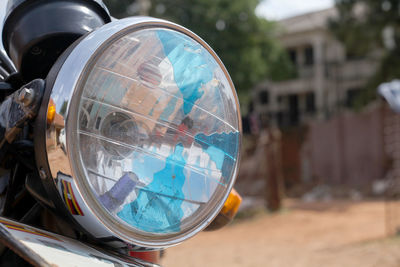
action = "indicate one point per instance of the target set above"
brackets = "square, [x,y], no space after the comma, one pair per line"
[158,130]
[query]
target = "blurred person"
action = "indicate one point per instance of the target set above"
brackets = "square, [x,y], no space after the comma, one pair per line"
[254,122]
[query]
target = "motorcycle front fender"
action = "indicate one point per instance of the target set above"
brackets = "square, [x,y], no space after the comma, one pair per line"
[42,248]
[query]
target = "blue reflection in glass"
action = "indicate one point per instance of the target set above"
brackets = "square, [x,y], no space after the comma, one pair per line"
[157,207]
[222,149]
[191,65]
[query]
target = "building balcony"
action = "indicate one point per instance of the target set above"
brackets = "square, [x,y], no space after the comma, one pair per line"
[351,70]
[295,86]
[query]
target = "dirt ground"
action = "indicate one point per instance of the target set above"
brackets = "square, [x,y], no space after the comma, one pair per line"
[339,233]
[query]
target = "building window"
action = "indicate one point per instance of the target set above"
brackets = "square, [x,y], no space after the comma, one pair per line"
[310,103]
[292,56]
[351,55]
[352,96]
[309,56]
[264,97]
[294,115]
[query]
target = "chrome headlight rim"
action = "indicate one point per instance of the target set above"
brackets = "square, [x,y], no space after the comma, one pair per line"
[69,79]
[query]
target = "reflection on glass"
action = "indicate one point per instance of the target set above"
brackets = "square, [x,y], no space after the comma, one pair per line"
[158,130]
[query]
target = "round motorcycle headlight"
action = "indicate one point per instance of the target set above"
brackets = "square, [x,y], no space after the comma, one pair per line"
[145,138]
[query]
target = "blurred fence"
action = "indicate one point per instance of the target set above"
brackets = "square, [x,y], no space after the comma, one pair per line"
[347,149]
[356,150]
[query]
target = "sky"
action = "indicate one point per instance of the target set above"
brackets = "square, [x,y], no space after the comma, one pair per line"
[279,9]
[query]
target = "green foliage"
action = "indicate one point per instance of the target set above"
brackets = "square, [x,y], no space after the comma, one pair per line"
[119,8]
[244,42]
[360,25]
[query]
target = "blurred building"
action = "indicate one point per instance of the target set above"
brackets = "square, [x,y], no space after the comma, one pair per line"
[328,78]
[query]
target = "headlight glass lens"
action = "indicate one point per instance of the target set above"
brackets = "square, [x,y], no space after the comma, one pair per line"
[158,130]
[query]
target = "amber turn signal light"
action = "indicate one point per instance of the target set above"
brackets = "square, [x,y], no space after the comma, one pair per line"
[227,213]
[51,113]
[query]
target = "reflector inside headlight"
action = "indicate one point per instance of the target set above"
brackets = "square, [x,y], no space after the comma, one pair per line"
[152,130]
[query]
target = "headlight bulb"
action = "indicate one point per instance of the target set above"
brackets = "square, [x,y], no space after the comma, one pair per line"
[121,134]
